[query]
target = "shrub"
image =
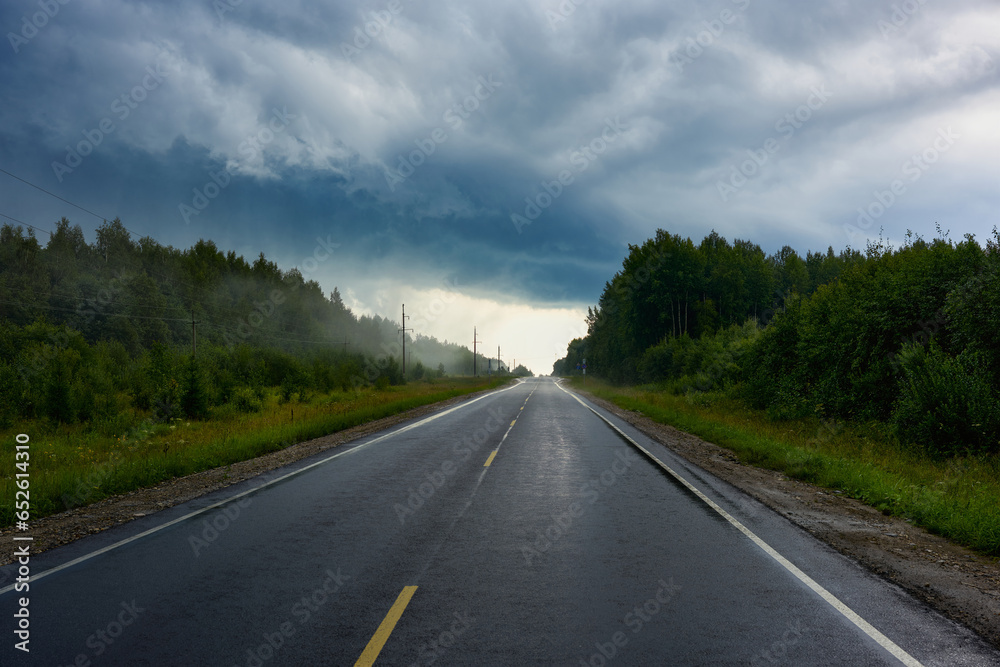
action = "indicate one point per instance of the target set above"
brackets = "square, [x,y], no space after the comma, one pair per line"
[295,381]
[973,311]
[390,369]
[656,363]
[771,362]
[946,404]
[245,399]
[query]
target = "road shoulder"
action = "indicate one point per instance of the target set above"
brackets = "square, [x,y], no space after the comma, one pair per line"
[957,582]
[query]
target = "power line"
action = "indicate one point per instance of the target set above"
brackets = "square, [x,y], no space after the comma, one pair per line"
[273,336]
[146,269]
[10,217]
[83,300]
[84,297]
[52,194]
[175,319]
[73,310]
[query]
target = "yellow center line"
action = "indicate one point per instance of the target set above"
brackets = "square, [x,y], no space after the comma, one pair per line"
[494,452]
[385,629]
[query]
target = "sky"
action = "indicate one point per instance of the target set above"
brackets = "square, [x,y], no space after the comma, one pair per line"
[488,163]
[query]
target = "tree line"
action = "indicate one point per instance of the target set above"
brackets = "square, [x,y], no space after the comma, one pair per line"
[908,336]
[89,331]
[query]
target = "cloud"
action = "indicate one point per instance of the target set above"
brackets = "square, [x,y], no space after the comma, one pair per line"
[414,132]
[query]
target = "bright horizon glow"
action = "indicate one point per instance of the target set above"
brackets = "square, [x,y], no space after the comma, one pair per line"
[531,336]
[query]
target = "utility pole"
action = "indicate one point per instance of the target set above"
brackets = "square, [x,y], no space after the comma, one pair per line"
[404,330]
[475,340]
[498,360]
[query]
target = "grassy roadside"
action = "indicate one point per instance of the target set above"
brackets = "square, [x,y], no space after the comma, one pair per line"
[956,498]
[72,466]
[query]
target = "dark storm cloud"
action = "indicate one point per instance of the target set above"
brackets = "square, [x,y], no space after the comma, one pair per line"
[412,133]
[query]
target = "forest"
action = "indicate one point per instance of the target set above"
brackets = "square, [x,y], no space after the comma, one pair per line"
[103,332]
[906,336]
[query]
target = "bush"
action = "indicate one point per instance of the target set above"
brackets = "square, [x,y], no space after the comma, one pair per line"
[295,381]
[166,408]
[118,424]
[946,404]
[787,401]
[656,363]
[973,311]
[683,364]
[157,387]
[771,363]
[245,399]
[391,371]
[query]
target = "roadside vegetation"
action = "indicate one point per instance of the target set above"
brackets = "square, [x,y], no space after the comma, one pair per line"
[92,332]
[875,373]
[75,464]
[128,362]
[956,497]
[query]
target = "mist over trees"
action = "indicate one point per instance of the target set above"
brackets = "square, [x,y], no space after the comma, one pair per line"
[87,330]
[907,336]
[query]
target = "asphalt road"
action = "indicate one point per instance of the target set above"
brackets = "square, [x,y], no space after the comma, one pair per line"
[517,528]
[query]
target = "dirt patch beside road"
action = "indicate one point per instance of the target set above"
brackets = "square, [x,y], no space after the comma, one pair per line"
[958,582]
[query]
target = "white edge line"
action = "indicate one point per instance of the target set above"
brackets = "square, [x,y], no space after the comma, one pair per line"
[829,597]
[35,577]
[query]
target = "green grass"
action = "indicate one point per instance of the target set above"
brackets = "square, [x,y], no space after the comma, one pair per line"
[74,465]
[957,498]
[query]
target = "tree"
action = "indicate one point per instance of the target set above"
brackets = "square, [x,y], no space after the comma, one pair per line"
[194,397]
[58,402]
[790,272]
[114,243]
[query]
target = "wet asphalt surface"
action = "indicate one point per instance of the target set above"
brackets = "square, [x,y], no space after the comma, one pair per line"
[569,548]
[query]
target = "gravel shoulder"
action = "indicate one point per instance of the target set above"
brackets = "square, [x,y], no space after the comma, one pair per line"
[957,582]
